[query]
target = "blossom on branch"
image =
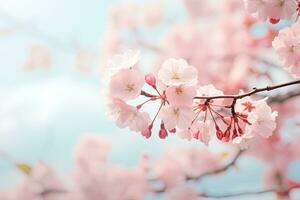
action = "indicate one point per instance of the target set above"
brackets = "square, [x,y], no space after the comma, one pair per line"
[287,46]
[190,110]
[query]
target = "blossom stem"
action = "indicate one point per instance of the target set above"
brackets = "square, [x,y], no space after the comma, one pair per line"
[272,190]
[284,97]
[146,94]
[254,91]
[160,107]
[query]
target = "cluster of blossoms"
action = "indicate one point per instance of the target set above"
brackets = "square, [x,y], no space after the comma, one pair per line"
[185,108]
[274,10]
[93,177]
[287,46]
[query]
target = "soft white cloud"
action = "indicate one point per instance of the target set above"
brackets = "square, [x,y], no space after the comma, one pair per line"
[36,104]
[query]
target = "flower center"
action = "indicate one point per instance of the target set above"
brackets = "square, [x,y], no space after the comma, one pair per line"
[178,90]
[175,76]
[248,106]
[129,87]
[176,112]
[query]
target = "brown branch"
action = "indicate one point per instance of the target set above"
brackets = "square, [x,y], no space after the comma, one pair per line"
[254,91]
[276,190]
[285,97]
[219,170]
[213,172]
[146,94]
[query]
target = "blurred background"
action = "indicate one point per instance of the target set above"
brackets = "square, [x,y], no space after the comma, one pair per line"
[46,104]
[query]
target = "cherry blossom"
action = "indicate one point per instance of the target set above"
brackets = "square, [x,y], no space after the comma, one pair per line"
[181,95]
[42,178]
[243,140]
[39,57]
[211,78]
[94,146]
[175,72]
[287,46]
[206,130]
[126,60]
[195,162]
[176,116]
[210,90]
[182,192]
[272,9]
[168,169]
[126,84]
[127,116]
[262,119]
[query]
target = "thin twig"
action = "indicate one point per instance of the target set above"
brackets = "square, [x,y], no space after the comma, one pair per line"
[219,170]
[246,193]
[284,97]
[254,91]
[212,172]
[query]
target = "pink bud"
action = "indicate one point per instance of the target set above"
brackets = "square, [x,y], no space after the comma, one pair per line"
[219,134]
[234,135]
[147,132]
[172,130]
[150,80]
[145,156]
[196,134]
[227,133]
[274,21]
[226,136]
[162,133]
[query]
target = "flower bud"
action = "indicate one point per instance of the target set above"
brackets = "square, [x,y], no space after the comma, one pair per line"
[219,134]
[163,133]
[147,132]
[150,80]
[274,21]
[172,130]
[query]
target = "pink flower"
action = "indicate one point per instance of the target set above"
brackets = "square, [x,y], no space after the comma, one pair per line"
[124,16]
[181,95]
[182,192]
[276,177]
[195,161]
[287,46]
[197,8]
[168,169]
[199,130]
[128,116]
[39,57]
[243,140]
[126,84]
[91,149]
[206,130]
[262,119]
[175,72]
[152,13]
[42,178]
[126,60]
[273,9]
[176,116]
[259,114]
[208,91]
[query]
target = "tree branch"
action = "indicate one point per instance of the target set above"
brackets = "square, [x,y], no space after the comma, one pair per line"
[284,97]
[246,193]
[213,172]
[219,170]
[254,91]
